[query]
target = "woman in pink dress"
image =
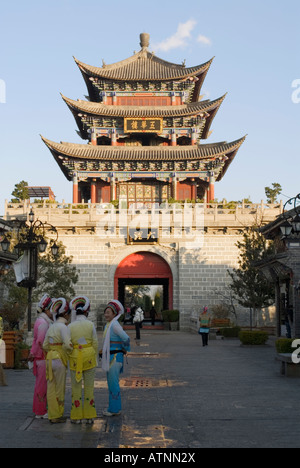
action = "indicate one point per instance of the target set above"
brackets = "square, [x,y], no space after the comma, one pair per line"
[37,356]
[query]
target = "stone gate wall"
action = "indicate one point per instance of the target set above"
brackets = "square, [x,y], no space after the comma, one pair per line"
[198,252]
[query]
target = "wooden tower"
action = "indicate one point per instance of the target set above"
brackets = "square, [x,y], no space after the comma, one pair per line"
[144,122]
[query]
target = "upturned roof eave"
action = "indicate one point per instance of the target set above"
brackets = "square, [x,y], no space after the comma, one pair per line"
[211,152]
[86,152]
[99,109]
[272,229]
[114,71]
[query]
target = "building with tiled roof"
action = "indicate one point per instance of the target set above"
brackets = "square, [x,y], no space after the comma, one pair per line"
[144,122]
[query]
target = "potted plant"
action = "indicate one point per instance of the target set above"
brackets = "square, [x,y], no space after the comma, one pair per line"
[174,319]
[22,351]
[171,319]
[166,321]
[253,337]
[284,345]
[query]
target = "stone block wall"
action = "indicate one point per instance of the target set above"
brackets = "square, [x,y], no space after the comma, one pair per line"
[200,276]
[199,270]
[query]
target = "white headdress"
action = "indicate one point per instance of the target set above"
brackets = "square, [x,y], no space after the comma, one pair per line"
[59,306]
[118,309]
[45,303]
[79,302]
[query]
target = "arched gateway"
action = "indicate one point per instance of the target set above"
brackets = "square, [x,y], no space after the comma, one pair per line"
[144,268]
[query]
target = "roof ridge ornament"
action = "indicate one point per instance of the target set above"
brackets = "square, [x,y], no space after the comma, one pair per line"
[144,40]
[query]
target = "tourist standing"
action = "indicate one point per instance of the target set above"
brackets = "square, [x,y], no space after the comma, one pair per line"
[205,321]
[153,314]
[83,361]
[138,320]
[116,344]
[37,356]
[2,355]
[58,346]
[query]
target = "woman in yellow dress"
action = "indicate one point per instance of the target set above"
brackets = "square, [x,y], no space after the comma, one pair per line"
[83,362]
[58,346]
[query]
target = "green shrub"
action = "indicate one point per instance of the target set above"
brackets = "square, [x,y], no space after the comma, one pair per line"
[253,337]
[284,345]
[174,315]
[230,332]
[165,315]
[170,315]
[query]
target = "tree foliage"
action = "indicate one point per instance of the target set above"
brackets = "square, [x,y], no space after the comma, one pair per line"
[134,294]
[249,286]
[272,193]
[56,275]
[21,191]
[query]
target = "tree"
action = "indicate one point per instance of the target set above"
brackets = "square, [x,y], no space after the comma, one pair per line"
[14,301]
[147,303]
[21,191]
[134,294]
[158,302]
[12,314]
[250,288]
[56,275]
[272,193]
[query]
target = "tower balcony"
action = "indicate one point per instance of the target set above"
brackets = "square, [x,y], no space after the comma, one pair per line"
[173,222]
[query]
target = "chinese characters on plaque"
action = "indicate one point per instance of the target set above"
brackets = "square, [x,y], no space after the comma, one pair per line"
[142,236]
[139,125]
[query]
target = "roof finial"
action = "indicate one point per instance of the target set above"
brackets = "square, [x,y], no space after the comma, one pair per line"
[144,40]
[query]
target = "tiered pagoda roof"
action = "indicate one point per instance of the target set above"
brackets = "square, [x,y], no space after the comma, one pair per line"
[144,66]
[119,95]
[63,152]
[206,109]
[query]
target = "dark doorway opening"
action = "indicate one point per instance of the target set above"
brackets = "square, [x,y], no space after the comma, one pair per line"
[144,269]
[164,282]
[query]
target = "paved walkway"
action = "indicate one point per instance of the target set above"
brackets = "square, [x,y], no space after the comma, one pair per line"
[176,394]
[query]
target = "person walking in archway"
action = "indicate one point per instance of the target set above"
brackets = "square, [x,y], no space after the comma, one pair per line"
[138,320]
[153,314]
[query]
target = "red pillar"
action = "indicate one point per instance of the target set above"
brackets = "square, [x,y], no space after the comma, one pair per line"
[114,138]
[194,189]
[174,187]
[93,191]
[75,189]
[211,189]
[93,138]
[194,137]
[112,188]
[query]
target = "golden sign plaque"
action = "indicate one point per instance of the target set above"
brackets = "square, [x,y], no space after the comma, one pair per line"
[143,125]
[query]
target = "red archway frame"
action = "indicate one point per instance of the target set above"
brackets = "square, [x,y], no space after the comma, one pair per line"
[146,265]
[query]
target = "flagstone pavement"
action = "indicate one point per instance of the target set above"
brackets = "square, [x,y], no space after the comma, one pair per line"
[175,394]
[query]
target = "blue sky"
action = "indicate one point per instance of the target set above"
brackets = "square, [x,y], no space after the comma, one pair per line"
[256,50]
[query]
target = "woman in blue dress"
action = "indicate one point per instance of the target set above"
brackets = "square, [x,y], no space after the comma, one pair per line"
[116,344]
